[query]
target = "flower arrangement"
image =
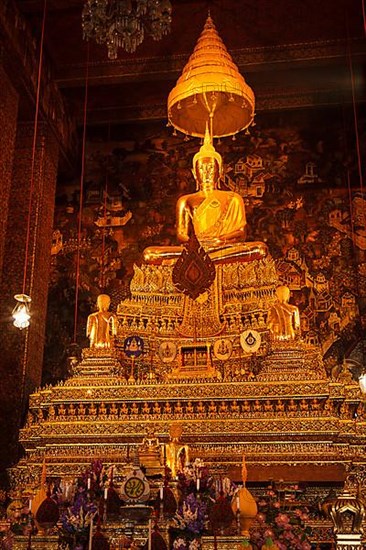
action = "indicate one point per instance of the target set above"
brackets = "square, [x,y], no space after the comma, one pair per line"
[191,516]
[281,529]
[76,519]
[202,498]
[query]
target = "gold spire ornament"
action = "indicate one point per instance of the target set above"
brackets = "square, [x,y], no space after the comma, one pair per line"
[211,88]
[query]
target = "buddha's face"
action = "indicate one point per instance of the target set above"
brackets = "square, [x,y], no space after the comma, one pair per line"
[207,173]
[103,302]
[283,293]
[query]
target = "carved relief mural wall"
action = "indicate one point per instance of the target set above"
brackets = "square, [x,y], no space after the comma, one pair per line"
[299,175]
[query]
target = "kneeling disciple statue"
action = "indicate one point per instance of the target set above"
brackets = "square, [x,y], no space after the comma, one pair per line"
[216,216]
[284,318]
[102,324]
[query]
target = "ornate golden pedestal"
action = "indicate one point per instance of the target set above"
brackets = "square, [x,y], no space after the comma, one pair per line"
[223,543]
[39,542]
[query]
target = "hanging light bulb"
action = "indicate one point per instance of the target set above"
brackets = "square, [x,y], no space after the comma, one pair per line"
[20,313]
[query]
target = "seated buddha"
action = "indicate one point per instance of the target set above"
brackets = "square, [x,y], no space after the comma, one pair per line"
[217,217]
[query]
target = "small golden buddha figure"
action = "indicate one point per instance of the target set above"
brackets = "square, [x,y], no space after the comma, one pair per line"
[102,324]
[168,408]
[92,410]
[81,410]
[124,409]
[71,411]
[304,406]
[223,407]
[145,409]
[216,216]
[245,407]
[201,408]
[190,408]
[61,410]
[315,405]
[150,452]
[102,413]
[156,408]
[178,409]
[30,419]
[40,415]
[292,406]
[268,407]
[257,407]
[235,409]
[360,412]
[329,407]
[212,410]
[51,412]
[134,408]
[113,410]
[284,318]
[280,406]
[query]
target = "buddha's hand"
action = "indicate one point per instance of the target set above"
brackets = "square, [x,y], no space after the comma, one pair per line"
[212,243]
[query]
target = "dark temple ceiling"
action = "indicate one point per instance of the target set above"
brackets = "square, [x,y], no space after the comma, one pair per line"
[293,53]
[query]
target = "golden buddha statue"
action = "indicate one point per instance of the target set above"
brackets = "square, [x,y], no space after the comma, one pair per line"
[150,453]
[177,454]
[283,318]
[102,324]
[216,216]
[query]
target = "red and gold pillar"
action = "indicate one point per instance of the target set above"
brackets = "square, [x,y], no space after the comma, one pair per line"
[22,351]
[8,125]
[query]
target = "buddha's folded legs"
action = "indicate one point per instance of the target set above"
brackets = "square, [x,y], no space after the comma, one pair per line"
[159,255]
[241,252]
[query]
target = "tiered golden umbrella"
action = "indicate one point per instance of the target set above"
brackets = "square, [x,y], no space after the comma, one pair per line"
[211,89]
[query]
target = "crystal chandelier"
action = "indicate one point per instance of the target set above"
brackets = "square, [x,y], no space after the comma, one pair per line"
[123,23]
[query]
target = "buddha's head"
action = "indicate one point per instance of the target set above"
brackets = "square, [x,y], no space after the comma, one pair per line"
[103,302]
[207,165]
[283,293]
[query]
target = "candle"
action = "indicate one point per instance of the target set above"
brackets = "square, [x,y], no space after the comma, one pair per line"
[198,484]
[238,503]
[105,493]
[91,534]
[161,493]
[30,505]
[89,483]
[149,543]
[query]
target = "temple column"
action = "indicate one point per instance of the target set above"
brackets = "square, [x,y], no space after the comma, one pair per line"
[8,125]
[22,351]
